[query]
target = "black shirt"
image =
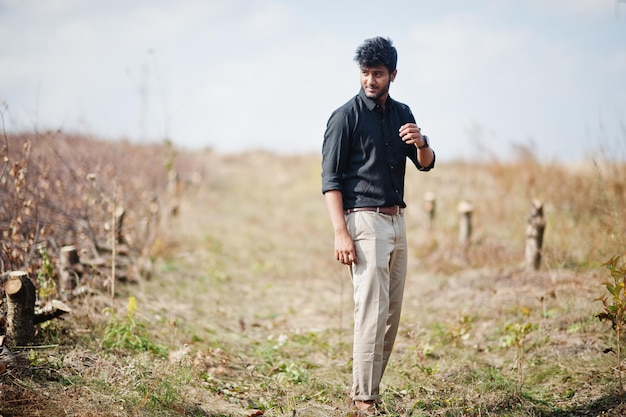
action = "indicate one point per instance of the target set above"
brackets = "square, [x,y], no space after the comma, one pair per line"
[363,155]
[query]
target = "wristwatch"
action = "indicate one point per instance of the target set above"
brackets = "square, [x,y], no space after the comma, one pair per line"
[426,143]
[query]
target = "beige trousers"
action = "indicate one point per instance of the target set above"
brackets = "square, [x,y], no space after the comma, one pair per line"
[378,280]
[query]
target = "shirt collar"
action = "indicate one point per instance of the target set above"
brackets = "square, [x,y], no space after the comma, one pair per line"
[371,103]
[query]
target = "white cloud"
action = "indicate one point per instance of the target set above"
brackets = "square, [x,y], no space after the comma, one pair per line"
[616,62]
[34,7]
[461,47]
[510,80]
[271,19]
[572,7]
[267,74]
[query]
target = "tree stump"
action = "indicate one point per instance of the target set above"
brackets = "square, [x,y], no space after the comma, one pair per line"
[119,225]
[20,298]
[429,207]
[70,269]
[173,191]
[465,222]
[534,236]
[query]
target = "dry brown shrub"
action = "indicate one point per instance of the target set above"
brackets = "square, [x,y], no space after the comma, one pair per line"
[58,189]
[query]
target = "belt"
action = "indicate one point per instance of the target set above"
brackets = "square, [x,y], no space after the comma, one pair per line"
[390,211]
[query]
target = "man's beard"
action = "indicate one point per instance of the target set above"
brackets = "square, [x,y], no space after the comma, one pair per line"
[379,93]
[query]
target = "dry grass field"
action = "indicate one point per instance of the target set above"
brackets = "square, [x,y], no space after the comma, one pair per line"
[246,312]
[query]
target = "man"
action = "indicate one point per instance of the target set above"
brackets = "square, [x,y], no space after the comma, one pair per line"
[366,144]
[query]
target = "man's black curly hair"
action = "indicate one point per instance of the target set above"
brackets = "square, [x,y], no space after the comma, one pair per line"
[375,51]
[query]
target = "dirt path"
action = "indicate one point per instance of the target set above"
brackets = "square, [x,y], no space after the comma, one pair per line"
[257,245]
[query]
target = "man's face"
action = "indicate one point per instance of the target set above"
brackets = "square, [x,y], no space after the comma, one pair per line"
[376,80]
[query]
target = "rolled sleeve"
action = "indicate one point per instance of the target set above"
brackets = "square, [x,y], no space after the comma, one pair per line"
[413,157]
[335,152]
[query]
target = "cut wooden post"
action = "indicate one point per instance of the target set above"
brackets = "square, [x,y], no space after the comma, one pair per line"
[119,214]
[465,222]
[534,236]
[173,191]
[20,293]
[69,269]
[429,207]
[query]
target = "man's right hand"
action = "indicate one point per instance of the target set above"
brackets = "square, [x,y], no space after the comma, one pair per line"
[345,251]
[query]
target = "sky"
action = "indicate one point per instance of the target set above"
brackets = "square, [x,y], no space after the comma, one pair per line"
[484,78]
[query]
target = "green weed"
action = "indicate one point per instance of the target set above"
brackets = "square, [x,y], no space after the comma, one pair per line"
[615,308]
[46,286]
[129,333]
[515,336]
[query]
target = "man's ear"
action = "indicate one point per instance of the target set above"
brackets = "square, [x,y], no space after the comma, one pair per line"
[392,77]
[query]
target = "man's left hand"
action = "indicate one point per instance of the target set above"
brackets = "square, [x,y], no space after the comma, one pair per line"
[411,134]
